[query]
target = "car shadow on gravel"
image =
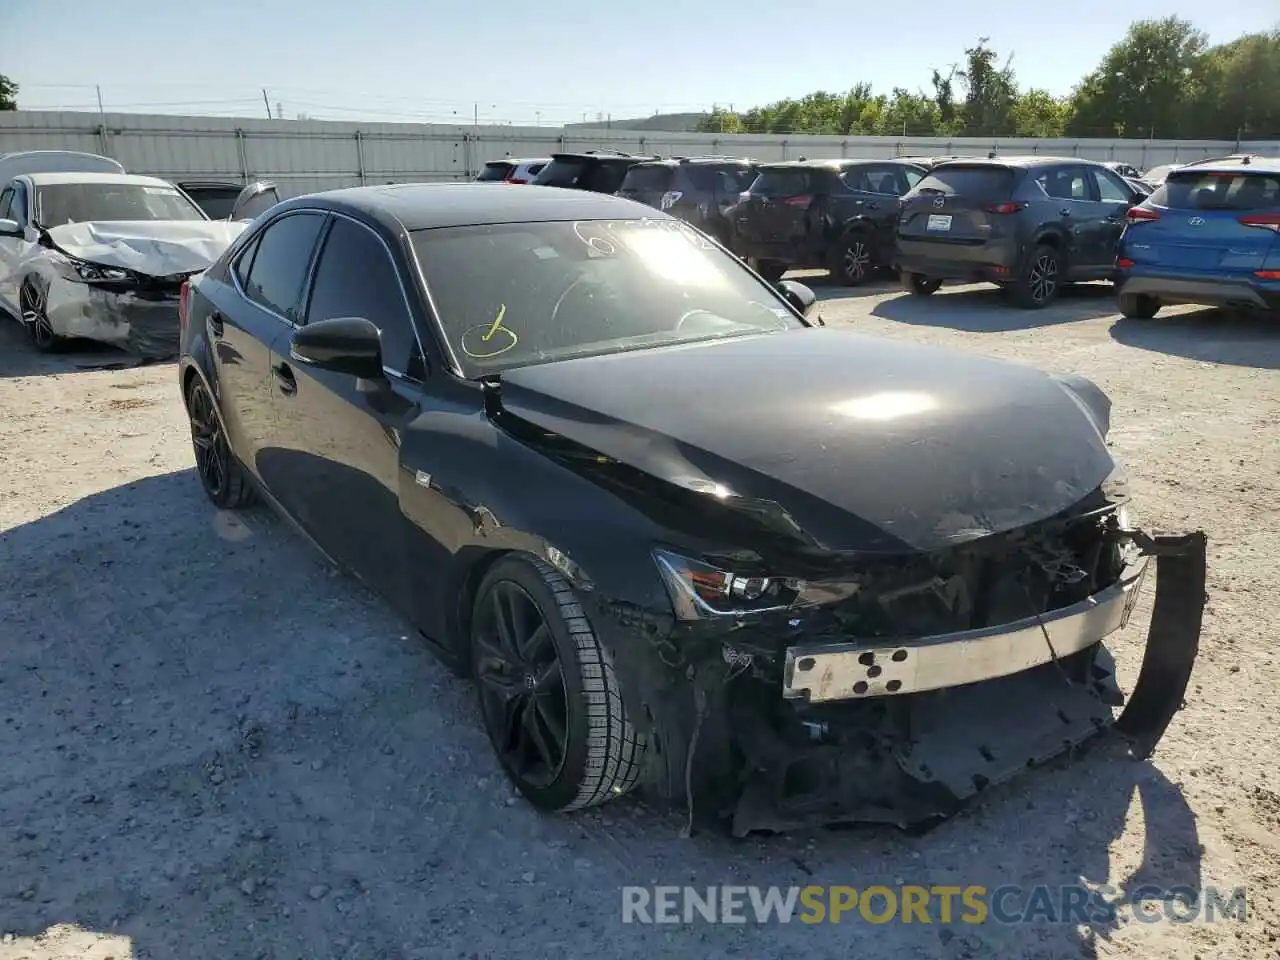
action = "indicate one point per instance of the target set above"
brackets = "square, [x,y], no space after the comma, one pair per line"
[827,287]
[18,358]
[1239,338]
[216,746]
[986,309]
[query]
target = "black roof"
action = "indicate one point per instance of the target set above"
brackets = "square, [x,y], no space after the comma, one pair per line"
[424,206]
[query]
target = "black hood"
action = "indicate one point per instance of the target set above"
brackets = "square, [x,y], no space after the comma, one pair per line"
[863,443]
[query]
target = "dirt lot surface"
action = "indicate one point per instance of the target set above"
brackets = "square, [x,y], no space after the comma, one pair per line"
[213,746]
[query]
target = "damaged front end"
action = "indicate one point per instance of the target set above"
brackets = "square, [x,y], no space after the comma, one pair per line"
[134,311]
[895,688]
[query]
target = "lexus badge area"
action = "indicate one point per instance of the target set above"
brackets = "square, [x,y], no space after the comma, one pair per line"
[679,534]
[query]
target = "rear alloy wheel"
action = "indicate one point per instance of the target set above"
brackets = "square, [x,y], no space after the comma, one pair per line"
[221,474]
[1138,306]
[548,694]
[35,317]
[919,284]
[855,261]
[1040,281]
[770,270]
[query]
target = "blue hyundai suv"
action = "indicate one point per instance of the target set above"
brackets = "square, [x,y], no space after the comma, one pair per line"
[1209,234]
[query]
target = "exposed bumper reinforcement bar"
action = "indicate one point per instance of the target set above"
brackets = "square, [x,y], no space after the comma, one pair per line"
[851,671]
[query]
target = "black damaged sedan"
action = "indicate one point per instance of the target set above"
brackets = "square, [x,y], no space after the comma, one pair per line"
[678,533]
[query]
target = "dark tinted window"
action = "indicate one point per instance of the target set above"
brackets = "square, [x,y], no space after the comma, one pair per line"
[1204,190]
[729,179]
[62,203]
[216,202]
[244,262]
[1064,183]
[781,183]
[356,278]
[984,183]
[496,170]
[280,265]
[606,177]
[647,178]
[884,180]
[561,172]
[535,169]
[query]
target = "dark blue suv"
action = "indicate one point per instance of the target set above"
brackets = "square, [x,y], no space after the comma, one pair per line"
[1209,234]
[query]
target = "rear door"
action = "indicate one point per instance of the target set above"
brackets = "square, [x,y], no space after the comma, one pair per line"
[776,209]
[1113,197]
[647,183]
[245,318]
[1207,221]
[1069,188]
[958,203]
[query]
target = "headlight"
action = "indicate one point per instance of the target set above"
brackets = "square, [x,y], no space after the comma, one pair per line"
[699,591]
[91,272]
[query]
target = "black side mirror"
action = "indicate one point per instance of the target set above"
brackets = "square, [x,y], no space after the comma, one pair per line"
[10,228]
[350,345]
[797,294]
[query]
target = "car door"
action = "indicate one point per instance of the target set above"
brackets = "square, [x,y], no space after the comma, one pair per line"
[15,249]
[1114,198]
[336,451]
[885,185]
[1070,192]
[260,306]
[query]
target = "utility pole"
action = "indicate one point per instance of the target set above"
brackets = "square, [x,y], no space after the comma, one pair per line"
[266,102]
[101,112]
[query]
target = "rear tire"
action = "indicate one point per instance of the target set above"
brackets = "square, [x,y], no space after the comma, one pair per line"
[1040,281]
[551,702]
[1138,306]
[221,474]
[770,270]
[920,285]
[855,262]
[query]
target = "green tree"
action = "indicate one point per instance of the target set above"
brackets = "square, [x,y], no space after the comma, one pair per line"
[1036,113]
[8,94]
[944,96]
[1146,86]
[908,114]
[990,93]
[1238,95]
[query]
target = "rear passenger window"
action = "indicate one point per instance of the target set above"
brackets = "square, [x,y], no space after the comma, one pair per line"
[883,180]
[279,267]
[1064,183]
[355,277]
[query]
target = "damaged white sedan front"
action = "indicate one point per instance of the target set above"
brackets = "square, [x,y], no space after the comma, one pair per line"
[102,257]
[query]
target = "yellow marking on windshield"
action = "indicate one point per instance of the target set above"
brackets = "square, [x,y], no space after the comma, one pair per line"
[497,324]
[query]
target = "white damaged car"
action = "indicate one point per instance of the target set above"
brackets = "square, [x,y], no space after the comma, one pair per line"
[102,256]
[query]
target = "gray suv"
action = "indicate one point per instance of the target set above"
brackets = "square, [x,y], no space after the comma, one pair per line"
[1028,224]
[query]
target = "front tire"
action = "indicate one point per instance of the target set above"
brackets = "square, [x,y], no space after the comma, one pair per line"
[1040,280]
[221,474]
[34,303]
[550,700]
[1138,306]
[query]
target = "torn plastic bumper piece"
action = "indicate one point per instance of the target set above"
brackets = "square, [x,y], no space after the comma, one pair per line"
[142,320]
[991,722]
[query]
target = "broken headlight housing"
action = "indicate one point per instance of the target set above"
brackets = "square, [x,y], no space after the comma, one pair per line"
[82,271]
[699,590]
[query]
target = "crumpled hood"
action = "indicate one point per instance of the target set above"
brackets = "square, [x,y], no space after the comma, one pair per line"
[157,248]
[864,443]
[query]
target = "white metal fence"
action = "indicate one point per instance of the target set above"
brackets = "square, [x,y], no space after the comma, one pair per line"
[303,156]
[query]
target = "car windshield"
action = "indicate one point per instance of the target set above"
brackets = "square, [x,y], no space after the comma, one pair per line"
[218,203]
[1206,190]
[984,182]
[780,183]
[514,294]
[495,170]
[729,178]
[62,203]
[647,178]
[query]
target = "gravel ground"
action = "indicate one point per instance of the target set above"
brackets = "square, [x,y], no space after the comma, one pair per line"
[211,745]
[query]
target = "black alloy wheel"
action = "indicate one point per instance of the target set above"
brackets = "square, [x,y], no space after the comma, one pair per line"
[551,703]
[522,689]
[35,317]
[220,473]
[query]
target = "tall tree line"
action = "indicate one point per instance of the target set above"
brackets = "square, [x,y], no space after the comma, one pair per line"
[1162,80]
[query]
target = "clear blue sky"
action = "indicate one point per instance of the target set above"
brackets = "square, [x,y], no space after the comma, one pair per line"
[545,60]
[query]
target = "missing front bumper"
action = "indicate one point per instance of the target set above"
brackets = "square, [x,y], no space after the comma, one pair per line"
[967,735]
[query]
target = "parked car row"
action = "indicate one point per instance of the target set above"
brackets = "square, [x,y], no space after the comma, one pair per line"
[90,251]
